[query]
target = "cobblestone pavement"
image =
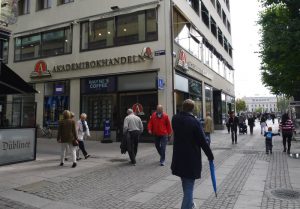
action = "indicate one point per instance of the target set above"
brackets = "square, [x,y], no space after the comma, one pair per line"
[10,204]
[121,185]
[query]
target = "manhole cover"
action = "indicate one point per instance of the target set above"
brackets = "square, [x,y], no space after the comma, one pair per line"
[285,194]
[295,155]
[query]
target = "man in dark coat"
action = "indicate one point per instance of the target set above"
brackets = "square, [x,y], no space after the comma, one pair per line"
[233,122]
[189,139]
[251,123]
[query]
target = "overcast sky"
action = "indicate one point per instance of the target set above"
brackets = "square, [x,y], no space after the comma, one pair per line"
[245,38]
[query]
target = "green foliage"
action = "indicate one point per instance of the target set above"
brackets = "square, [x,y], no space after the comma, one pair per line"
[259,109]
[282,104]
[280,46]
[240,105]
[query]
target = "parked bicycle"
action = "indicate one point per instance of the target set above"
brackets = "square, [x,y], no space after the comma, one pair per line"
[45,131]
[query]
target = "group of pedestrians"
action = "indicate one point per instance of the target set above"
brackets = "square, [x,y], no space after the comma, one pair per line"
[71,135]
[189,139]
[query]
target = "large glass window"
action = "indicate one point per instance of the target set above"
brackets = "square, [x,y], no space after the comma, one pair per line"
[50,43]
[208,99]
[219,8]
[120,30]
[56,100]
[195,5]
[213,26]
[5,51]
[220,36]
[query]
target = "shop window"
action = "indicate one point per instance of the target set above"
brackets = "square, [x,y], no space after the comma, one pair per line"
[45,44]
[59,2]
[43,4]
[213,26]
[121,30]
[208,99]
[204,14]
[23,7]
[98,109]
[219,9]
[56,100]
[195,91]
[5,50]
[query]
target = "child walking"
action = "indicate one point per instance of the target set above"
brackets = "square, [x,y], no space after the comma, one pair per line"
[269,135]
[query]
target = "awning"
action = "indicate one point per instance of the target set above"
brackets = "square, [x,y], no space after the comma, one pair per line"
[12,83]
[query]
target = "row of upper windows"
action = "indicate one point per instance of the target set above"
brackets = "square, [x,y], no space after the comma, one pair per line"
[24,5]
[120,30]
[206,18]
[262,105]
[215,30]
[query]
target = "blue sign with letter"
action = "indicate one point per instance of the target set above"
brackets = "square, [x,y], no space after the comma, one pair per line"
[160,83]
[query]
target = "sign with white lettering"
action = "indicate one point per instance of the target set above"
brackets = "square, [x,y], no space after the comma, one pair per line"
[17,145]
[98,84]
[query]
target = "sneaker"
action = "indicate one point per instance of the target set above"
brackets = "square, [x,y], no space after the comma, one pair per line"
[78,158]
[61,164]
[162,164]
[194,206]
[87,156]
[74,165]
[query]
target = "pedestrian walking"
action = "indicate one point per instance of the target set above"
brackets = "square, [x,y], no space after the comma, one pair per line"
[263,124]
[241,122]
[189,139]
[67,135]
[160,126]
[287,127]
[227,122]
[132,129]
[269,138]
[208,127]
[83,132]
[233,122]
[251,123]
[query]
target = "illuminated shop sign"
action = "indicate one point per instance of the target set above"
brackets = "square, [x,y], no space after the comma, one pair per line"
[98,84]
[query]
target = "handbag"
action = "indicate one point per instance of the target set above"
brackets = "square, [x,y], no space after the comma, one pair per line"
[75,142]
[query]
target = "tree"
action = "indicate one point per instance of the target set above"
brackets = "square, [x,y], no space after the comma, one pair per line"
[240,105]
[280,46]
[259,109]
[282,104]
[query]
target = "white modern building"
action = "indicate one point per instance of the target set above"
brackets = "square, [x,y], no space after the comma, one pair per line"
[102,57]
[266,104]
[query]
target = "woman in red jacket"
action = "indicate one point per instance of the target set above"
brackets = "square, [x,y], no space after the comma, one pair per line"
[160,126]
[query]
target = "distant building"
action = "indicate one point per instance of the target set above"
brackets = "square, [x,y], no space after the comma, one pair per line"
[268,104]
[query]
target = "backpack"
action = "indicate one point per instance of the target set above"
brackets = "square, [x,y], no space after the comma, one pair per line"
[269,135]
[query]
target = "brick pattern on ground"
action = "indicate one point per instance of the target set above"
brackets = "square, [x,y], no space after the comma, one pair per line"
[10,204]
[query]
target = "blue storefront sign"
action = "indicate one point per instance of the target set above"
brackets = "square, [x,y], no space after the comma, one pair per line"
[98,84]
[106,131]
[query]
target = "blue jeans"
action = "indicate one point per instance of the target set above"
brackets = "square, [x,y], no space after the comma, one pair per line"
[161,144]
[188,189]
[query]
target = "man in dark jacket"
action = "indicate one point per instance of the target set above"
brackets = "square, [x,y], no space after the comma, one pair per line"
[233,122]
[251,123]
[189,139]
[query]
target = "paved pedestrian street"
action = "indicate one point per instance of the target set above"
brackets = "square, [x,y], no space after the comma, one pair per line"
[246,178]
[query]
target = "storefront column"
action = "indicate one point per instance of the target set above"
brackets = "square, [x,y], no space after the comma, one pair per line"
[39,99]
[75,97]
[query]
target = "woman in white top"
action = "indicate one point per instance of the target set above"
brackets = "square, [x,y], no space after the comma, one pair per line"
[83,132]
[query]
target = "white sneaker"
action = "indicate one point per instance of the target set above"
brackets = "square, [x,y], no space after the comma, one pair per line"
[194,206]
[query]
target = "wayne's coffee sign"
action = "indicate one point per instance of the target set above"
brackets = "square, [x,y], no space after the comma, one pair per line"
[98,84]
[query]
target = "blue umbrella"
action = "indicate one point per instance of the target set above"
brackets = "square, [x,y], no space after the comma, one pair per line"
[213,176]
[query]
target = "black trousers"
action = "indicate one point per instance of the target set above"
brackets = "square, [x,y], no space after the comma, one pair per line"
[269,145]
[82,148]
[132,145]
[234,134]
[287,137]
[251,129]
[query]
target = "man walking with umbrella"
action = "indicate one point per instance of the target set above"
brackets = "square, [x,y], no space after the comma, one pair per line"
[189,139]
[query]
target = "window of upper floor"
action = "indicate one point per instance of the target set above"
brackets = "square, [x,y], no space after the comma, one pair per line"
[60,2]
[121,30]
[45,44]
[195,5]
[224,17]
[219,9]
[43,4]
[228,5]
[220,36]
[23,7]
[204,14]
[228,26]
[213,2]
[213,26]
